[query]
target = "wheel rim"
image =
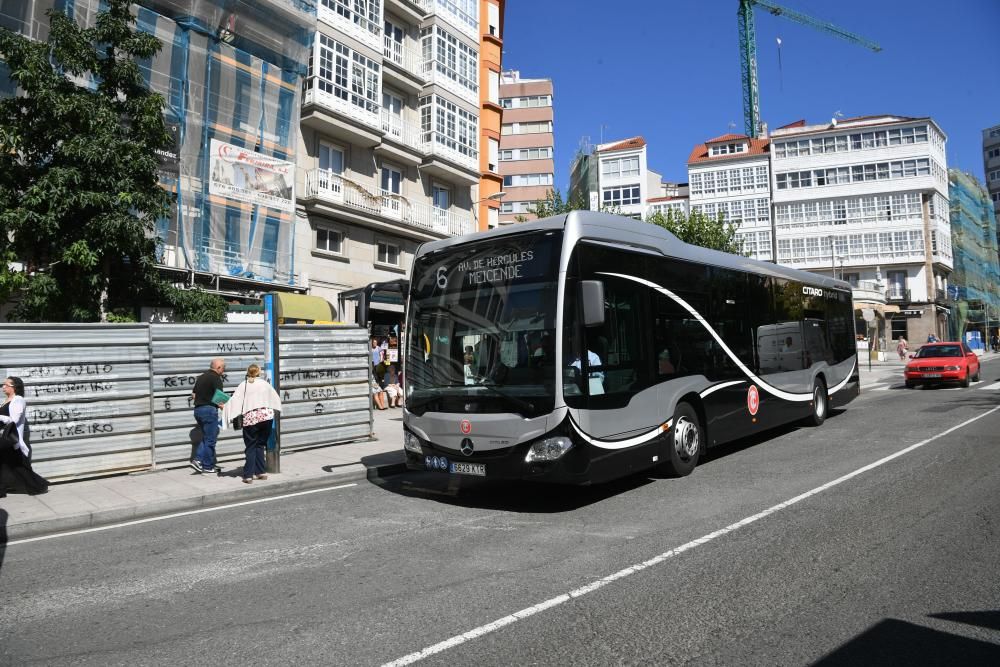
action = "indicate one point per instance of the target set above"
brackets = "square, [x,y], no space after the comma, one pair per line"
[819,400]
[687,439]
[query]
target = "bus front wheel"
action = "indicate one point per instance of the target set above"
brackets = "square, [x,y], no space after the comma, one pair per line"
[685,441]
[820,403]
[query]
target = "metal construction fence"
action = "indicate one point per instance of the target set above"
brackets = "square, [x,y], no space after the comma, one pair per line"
[110,398]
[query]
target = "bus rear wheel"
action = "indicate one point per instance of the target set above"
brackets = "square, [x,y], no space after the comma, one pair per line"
[684,442]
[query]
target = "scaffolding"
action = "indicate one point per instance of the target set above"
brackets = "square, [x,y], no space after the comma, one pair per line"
[975,283]
[230,72]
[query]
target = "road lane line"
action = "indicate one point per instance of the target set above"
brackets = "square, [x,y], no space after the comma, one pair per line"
[136,522]
[621,574]
[995,385]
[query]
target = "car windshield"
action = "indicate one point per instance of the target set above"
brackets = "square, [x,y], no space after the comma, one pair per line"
[481,326]
[928,351]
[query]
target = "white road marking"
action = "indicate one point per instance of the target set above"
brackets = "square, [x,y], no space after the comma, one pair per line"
[995,385]
[656,560]
[176,514]
[875,387]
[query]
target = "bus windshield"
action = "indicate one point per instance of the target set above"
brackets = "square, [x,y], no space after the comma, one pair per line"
[481,327]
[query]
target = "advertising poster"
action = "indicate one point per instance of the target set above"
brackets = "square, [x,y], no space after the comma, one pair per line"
[241,174]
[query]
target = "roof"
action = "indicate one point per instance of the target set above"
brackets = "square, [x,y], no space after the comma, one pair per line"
[652,200]
[800,128]
[700,152]
[725,138]
[632,142]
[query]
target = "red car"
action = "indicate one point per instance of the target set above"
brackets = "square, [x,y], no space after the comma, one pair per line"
[942,362]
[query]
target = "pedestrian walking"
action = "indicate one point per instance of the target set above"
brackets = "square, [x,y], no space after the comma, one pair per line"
[16,473]
[257,402]
[206,395]
[901,348]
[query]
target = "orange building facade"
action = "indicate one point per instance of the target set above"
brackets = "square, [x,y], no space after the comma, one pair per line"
[490,112]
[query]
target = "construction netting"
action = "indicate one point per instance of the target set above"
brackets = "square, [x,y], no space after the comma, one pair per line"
[230,72]
[976,278]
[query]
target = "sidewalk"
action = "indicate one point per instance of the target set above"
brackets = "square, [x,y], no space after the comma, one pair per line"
[76,505]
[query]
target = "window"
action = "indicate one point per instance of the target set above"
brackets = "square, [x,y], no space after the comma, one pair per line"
[494,82]
[346,74]
[727,149]
[329,240]
[494,154]
[995,152]
[331,158]
[506,102]
[620,167]
[452,58]
[441,196]
[391,180]
[449,126]
[526,128]
[518,180]
[622,196]
[388,254]
[364,13]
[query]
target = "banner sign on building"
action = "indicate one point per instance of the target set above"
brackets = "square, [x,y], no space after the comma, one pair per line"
[241,174]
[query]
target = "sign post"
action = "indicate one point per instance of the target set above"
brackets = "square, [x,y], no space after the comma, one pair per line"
[271,371]
[869,315]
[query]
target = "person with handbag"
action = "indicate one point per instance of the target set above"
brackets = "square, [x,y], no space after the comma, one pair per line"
[16,473]
[252,408]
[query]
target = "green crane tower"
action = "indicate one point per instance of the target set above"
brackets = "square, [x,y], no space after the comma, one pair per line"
[748,52]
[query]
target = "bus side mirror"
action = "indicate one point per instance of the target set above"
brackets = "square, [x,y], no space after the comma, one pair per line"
[592,302]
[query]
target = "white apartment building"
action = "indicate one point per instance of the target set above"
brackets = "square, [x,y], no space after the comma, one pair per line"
[730,176]
[991,167]
[389,142]
[671,197]
[866,199]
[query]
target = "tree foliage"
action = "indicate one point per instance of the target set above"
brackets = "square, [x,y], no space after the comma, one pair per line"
[195,305]
[79,196]
[700,230]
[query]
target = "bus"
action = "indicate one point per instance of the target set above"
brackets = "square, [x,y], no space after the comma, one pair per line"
[585,347]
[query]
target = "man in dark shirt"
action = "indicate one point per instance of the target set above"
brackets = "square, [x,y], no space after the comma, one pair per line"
[206,413]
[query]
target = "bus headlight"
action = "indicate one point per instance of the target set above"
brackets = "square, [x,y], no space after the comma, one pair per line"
[548,449]
[411,443]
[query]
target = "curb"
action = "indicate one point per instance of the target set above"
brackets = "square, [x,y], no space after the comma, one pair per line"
[96,519]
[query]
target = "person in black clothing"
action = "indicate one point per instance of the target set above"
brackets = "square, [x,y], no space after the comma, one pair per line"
[206,413]
[15,463]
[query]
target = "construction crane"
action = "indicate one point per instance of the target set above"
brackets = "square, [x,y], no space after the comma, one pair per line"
[748,52]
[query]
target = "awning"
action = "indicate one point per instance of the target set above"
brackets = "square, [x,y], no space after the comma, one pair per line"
[303,309]
[391,293]
[877,307]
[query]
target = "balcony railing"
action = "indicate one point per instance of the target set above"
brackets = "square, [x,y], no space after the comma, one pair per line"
[336,189]
[406,58]
[896,293]
[315,94]
[398,130]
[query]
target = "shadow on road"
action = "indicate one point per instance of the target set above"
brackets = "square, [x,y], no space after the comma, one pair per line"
[517,496]
[895,642]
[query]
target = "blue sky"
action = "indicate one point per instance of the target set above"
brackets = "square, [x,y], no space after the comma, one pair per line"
[669,70]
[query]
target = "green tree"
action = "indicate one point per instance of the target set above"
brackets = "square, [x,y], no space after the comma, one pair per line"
[79,195]
[700,230]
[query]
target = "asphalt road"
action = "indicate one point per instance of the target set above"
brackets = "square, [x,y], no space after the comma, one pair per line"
[771,553]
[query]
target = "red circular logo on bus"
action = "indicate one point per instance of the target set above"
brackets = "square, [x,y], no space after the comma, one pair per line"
[753,399]
[465,426]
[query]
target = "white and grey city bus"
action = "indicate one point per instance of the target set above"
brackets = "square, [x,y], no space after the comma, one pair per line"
[586,346]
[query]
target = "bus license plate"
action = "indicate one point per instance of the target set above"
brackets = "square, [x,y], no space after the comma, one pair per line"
[469,469]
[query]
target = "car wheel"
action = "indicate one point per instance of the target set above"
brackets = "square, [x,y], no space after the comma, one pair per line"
[965,380]
[975,377]
[684,442]
[820,403]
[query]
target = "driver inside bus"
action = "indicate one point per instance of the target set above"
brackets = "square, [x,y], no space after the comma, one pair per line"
[593,361]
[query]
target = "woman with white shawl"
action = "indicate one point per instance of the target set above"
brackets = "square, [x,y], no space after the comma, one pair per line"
[256,401]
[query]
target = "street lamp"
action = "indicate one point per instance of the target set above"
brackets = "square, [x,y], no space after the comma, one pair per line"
[496,196]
